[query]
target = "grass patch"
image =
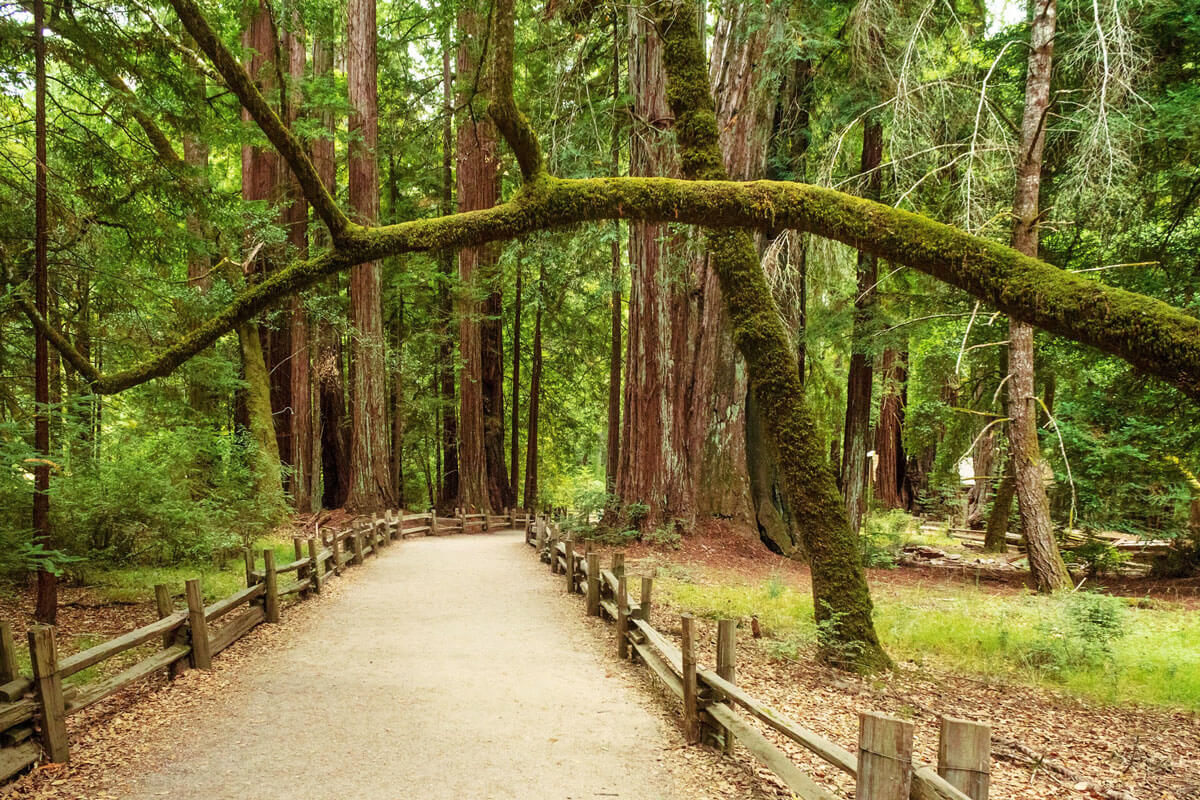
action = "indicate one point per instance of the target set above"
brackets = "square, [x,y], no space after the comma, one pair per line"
[136,584]
[1091,646]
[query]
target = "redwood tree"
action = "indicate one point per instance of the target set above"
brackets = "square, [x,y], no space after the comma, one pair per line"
[370,484]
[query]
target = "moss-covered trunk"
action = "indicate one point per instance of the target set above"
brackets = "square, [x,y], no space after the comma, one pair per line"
[841,599]
[265,461]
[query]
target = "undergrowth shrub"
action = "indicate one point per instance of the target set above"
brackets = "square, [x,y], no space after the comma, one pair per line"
[1097,557]
[1077,635]
[883,536]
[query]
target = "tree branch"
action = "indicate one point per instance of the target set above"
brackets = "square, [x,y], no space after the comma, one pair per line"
[280,136]
[1153,336]
[512,124]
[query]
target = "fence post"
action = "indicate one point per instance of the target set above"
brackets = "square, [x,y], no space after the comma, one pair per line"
[356,542]
[47,684]
[462,519]
[312,560]
[248,555]
[198,624]
[727,662]
[335,546]
[8,654]
[618,564]
[965,757]
[164,606]
[622,618]
[691,704]
[433,528]
[301,572]
[645,603]
[487,519]
[271,597]
[593,586]
[570,547]
[884,757]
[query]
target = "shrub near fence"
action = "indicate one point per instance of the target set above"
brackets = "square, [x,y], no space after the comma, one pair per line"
[34,708]
[883,767]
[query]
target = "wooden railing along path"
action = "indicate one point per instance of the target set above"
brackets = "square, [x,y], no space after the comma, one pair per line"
[34,708]
[713,703]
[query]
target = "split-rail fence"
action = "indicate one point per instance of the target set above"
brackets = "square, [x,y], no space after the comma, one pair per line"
[715,707]
[34,707]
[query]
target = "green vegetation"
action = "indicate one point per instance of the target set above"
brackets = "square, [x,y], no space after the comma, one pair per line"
[1088,645]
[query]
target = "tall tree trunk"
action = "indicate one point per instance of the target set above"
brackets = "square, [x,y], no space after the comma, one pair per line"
[370,484]
[856,434]
[683,436]
[448,493]
[398,410]
[983,460]
[535,398]
[265,177]
[262,180]
[995,539]
[492,362]
[1049,572]
[612,450]
[515,451]
[47,583]
[891,485]
[478,187]
[303,484]
[331,445]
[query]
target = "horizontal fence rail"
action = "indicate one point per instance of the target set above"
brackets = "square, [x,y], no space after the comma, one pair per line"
[715,708]
[34,708]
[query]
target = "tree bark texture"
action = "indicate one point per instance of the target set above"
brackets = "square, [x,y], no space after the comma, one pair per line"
[478,184]
[370,485]
[448,488]
[859,379]
[515,424]
[46,611]
[331,443]
[535,401]
[891,481]
[612,449]
[1049,572]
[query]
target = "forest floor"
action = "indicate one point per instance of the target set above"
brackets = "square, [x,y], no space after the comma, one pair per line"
[446,668]
[1047,741]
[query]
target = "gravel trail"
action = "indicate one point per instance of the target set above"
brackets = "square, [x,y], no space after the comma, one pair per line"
[449,668]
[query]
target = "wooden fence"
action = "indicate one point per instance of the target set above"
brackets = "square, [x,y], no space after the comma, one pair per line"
[713,703]
[34,708]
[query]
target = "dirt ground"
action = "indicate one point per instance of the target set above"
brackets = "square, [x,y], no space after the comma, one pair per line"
[1145,753]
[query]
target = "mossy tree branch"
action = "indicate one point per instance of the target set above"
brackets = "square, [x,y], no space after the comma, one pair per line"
[280,136]
[1155,337]
[512,124]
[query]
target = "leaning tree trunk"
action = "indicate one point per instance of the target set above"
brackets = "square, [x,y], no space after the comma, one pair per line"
[47,583]
[370,485]
[856,433]
[1049,572]
[841,600]
[478,187]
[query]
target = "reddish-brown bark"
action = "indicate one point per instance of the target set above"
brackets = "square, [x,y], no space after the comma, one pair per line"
[478,180]
[331,440]
[370,484]
[856,433]
[448,445]
[891,479]
[535,401]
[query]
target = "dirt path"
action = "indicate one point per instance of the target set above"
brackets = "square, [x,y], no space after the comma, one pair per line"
[445,668]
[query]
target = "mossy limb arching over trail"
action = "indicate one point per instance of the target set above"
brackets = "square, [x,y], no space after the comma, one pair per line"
[1157,338]
[1154,336]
